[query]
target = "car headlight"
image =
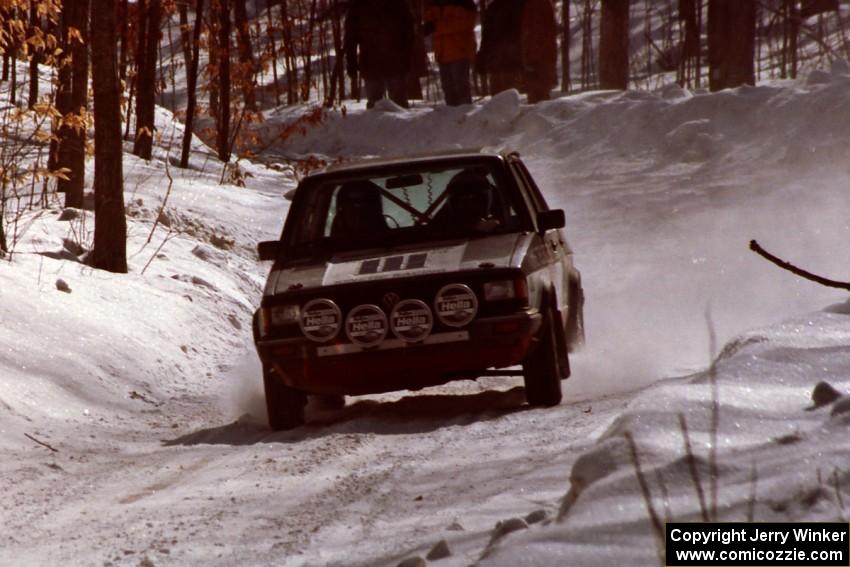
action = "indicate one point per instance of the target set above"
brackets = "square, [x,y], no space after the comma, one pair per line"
[285,314]
[502,289]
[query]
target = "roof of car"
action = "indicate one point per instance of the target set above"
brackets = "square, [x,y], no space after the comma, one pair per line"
[410,159]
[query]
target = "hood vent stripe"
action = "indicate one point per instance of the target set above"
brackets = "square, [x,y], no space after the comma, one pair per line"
[392,264]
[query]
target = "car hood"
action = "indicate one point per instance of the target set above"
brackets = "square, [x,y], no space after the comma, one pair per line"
[498,251]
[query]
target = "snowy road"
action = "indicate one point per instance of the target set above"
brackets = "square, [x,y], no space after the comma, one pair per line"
[357,486]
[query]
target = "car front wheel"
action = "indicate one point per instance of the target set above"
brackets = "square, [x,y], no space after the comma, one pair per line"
[285,405]
[542,368]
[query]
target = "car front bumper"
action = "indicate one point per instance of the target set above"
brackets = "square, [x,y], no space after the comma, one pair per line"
[345,368]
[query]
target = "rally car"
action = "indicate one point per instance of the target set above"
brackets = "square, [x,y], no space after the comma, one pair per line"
[406,273]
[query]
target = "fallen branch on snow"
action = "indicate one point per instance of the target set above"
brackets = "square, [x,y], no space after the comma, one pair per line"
[42,443]
[754,246]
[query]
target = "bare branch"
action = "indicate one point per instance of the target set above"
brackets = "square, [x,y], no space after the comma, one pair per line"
[754,246]
[692,467]
[42,443]
[657,526]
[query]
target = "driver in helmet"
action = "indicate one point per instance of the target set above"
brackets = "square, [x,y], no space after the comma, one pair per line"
[469,199]
[359,211]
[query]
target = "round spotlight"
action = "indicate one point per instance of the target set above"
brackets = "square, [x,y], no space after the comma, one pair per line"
[320,320]
[455,305]
[366,325]
[411,320]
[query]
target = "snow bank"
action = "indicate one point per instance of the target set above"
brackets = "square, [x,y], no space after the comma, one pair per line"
[112,344]
[779,458]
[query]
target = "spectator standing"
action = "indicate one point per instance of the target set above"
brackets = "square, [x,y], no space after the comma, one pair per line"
[539,49]
[452,23]
[499,56]
[519,47]
[419,66]
[379,45]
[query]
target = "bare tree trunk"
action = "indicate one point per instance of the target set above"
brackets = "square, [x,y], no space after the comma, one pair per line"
[270,29]
[63,89]
[223,140]
[146,83]
[124,23]
[290,64]
[565,46]
[13,88]
[172,67]
[185,34]
[793,35]
[307,52]
[193,82]
[141,35]
[702,22]
[5,16]
[614,45]
[691,45]
[110,223]
[731,43]
[247,66]
[72,141]
[587,44]
[338,75]
[35,56]
[323,56]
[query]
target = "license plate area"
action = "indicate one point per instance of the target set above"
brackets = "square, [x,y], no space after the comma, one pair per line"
[390,344]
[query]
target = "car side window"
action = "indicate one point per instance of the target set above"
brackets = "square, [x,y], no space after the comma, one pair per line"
[534,190]
[525,192]
[314,212]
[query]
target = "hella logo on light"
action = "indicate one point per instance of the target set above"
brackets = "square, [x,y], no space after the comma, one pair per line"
[411,320]
[455,305]
[320,320]
[366,326]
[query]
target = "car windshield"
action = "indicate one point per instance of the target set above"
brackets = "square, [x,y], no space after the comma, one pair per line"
[413,206]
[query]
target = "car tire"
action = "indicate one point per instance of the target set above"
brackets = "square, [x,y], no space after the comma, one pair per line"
[285,405]
[542,368]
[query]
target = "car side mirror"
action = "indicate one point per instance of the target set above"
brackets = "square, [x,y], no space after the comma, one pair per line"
[548,220]
[267,250]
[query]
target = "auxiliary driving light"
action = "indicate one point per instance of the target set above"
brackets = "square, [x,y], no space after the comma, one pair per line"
[366,325]
[320,320]
[411,320]
[455,305]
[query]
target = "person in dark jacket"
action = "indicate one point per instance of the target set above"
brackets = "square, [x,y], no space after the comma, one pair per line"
[452,23]
[519,47]
[499,56]
[539,49]
[379,45]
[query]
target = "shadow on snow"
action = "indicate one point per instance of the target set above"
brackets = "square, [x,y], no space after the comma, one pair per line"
[408,415]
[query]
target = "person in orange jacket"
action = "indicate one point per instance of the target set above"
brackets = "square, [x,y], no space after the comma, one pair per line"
[452,23]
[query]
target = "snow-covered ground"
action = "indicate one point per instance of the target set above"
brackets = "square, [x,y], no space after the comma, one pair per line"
[131,420]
